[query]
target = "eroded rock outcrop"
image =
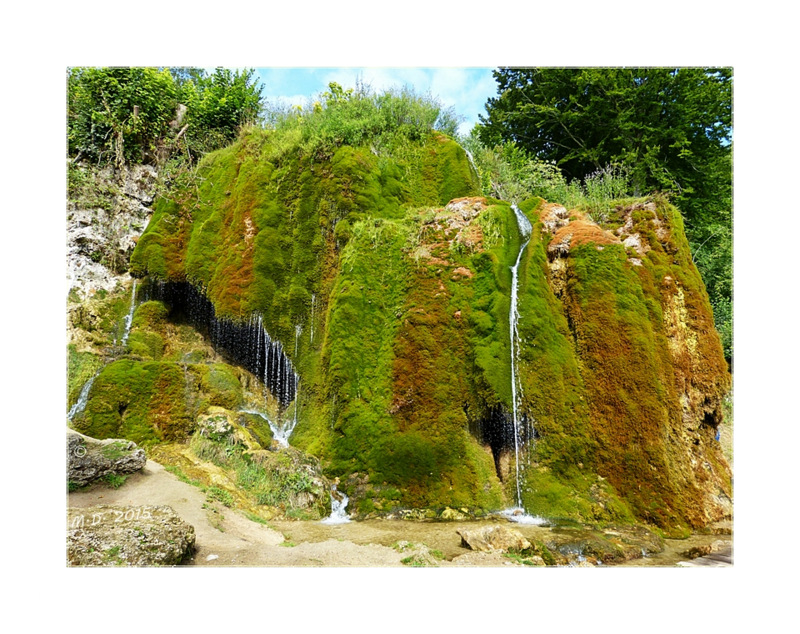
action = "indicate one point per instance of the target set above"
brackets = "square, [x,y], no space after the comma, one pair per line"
[107,212]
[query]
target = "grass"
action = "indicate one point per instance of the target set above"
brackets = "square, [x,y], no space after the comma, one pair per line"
[115,450]
[114,480]
[277,482]
[220,495]
[177,472]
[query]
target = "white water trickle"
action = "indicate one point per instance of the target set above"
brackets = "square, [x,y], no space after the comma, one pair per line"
[338,508]
[83,398]
[278,432]
[513,320]
[298,329]
[129,316]
[472,162]
[517,514]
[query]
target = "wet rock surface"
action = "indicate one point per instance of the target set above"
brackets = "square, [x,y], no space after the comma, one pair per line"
[127,536]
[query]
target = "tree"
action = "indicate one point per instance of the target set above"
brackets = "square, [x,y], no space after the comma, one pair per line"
[668,125]
[118,114]
[670,128]
[133,115]
[218,105]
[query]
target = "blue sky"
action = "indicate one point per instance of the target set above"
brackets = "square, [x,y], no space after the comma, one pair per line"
[466,89]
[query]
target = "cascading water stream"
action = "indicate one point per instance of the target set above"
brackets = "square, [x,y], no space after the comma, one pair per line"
[517,514]
[338,508]
[129,316]
[513,321]
[472,163]
[83,398]
[313,301]
[279,433]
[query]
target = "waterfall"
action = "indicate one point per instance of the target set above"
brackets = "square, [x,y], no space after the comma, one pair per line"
[83,398]
[474,167]
[513,321]
[129,316]
[246,343]
[517,514]
[338,508]
[298,329]
[280,432]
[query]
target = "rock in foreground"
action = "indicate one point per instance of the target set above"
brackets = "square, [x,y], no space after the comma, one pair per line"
[493,539]
[127,536]
[89,459]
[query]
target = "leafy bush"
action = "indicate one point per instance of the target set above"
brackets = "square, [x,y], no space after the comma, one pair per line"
[359,116]
[138,115]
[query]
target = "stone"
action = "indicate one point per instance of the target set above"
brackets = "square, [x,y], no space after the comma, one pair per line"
[89,459]
[216,424]
[127,536]
[493,539]
[449,514]
[102,229]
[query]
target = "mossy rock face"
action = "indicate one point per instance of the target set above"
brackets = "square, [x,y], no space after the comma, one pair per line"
[394,311]
[140,401]
[651,363]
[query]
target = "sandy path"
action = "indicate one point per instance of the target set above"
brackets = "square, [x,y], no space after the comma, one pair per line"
[220,531]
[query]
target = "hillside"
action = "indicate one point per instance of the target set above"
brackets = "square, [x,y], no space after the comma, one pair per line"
[427,347]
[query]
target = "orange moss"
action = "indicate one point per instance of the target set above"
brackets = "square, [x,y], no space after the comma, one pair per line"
[581,231]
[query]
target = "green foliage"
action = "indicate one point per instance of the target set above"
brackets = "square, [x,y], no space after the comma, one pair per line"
[139,401]
[118,114]
[218,106]
[274,480]
[668,129]
[132,115]
[114,480]
[359,116]
[662,122]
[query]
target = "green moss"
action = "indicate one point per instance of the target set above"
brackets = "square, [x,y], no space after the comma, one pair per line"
[575,495]
[221,386]
[139,401]
[81,366]
[258,427]
[146,345]
[407,355]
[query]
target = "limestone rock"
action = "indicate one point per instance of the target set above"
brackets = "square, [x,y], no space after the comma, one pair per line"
[89,459]
[127,536]
[104,222]
[493,539]
[452,515]
[418,555]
